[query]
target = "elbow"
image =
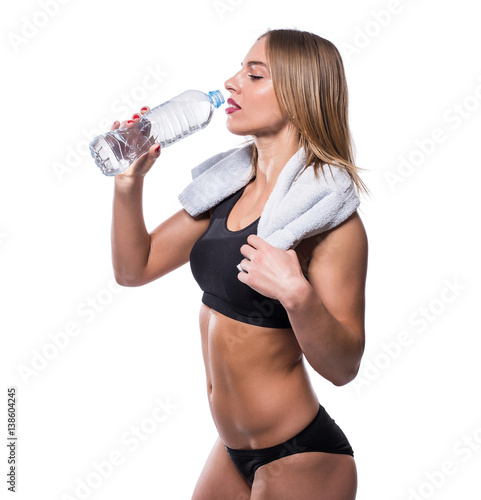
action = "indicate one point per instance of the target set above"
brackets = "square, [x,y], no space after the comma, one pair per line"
[123,282]
[345,379]
[340,382]
[347,376]
[336,376]
[352,369]
[127,280]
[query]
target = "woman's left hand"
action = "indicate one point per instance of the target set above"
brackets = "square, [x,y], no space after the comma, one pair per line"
[269,270]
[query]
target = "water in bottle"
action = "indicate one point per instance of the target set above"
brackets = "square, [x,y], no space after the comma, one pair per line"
[165,124]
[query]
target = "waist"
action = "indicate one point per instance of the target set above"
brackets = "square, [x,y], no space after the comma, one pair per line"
[257,384]
[263,413]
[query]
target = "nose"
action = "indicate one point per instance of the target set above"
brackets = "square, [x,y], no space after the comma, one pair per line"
[232,84]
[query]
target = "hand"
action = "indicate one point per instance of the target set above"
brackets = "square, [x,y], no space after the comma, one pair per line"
[270,271]
[143,163]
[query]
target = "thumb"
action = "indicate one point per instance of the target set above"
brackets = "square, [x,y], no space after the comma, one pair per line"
[148,159]
[153,153]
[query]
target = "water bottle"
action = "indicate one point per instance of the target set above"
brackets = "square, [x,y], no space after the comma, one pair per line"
[165,124]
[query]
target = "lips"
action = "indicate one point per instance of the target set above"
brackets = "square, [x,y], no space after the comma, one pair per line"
[233,107]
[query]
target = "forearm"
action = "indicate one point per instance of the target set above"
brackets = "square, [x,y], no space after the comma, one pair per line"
[331,347]
[130,238]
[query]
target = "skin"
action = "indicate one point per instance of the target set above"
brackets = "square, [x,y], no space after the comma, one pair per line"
[257,384]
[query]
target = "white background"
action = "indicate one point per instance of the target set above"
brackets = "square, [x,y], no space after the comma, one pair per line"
[413,72]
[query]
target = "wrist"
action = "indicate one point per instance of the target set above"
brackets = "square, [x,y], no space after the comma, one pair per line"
[124,183]
[297,294]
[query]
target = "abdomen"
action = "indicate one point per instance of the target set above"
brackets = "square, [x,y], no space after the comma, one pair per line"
[258,388]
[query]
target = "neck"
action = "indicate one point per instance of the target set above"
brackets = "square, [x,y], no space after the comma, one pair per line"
[273,154]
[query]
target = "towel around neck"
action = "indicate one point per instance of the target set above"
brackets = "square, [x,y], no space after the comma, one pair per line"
[301,204]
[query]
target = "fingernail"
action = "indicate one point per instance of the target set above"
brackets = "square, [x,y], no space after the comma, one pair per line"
[115,122]
[144,108]
[130,121]
[157,148]
[136,116]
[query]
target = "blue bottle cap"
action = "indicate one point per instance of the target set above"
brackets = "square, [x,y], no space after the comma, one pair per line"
[216,98]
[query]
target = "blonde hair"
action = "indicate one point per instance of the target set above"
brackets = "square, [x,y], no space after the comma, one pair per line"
[310,86]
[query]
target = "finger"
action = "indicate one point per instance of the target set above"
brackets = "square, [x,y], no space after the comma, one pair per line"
[148,159]
[256,241]
[115,125]
[244,265]
[242,277]
[126,123]
[136,117]
[155,149]
[247,251]
[144,110]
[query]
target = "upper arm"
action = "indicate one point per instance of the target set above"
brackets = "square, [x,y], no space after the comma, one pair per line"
[337,272]
[171,243]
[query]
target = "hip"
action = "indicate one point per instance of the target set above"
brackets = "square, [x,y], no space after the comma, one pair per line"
[322,434]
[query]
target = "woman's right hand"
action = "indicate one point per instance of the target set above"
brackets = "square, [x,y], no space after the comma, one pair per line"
[143,163]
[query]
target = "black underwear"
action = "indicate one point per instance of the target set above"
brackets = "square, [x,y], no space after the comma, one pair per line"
[322,434]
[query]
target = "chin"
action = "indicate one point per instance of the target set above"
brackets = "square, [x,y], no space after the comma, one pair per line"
[237,130]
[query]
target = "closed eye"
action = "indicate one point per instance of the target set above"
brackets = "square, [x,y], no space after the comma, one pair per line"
[254,77]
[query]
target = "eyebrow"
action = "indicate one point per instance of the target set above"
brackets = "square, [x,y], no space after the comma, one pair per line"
[253,63]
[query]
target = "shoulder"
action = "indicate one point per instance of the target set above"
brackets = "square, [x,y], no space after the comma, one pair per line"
[347,241]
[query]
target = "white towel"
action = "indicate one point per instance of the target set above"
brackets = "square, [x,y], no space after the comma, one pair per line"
[298,207]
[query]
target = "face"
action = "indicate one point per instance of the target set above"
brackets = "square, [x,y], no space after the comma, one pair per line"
[252,108]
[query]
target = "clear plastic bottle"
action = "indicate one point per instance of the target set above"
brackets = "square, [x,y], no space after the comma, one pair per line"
[165,124]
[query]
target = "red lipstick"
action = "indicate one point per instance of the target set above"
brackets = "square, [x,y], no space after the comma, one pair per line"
[234,106]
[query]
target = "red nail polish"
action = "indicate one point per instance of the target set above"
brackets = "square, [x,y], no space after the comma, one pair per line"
[144,108]
[130,121]
[157,148]
[136,116]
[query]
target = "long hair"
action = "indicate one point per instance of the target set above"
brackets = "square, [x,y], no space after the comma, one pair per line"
[310,86]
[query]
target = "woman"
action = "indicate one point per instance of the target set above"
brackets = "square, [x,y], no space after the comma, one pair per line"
[275,439]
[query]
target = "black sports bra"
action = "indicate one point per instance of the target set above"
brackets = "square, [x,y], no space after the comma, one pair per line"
[213,260]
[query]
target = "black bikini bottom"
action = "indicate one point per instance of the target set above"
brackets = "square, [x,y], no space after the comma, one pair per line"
[322,434]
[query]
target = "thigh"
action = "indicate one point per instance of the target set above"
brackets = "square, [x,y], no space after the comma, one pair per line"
[309,475]
[220,479]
